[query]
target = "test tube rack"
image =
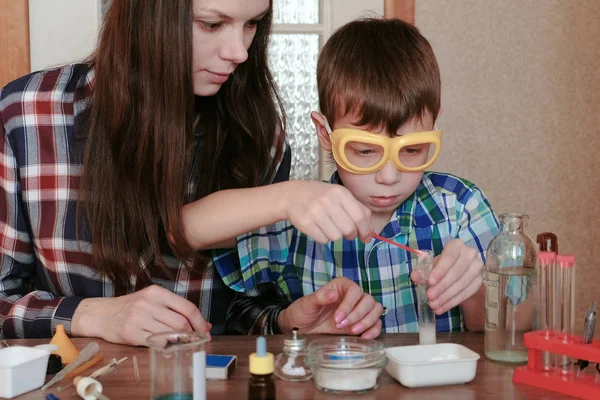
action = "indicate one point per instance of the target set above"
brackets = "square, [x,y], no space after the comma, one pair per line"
[537,342]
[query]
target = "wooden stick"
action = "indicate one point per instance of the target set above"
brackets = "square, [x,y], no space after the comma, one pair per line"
[136,370]
[99,372]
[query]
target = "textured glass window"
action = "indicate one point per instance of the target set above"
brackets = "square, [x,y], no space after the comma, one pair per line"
[105,4]
[296,11]
[293,59]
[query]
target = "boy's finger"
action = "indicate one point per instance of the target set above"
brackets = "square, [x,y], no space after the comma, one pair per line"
[373,332]
[469,291]
[417,278]
[458,287]
[464,264]
[368,320]
[359,311]
[442,288]
[445,261]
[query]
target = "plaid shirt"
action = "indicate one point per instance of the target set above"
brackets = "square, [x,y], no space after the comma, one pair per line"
[45,271]
[442,208]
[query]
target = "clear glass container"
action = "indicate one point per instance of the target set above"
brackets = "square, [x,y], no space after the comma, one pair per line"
[509,290]
[427,333]
[177,366]
[346,364]
[290,364]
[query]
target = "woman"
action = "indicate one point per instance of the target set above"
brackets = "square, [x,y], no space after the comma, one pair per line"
[97,159]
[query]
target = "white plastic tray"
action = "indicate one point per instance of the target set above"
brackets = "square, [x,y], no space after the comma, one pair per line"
[431,365]
[21,369]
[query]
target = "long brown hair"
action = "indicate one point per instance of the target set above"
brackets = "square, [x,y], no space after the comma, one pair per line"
[140,138]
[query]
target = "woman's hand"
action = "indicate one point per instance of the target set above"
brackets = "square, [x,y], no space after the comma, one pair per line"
[340,307]
[320,210]
[326,212]
[132,318]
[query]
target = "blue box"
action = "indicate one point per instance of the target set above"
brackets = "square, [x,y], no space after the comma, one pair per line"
[220,366]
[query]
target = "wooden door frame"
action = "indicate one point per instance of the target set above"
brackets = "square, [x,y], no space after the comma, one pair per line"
[14,40]
[401,9]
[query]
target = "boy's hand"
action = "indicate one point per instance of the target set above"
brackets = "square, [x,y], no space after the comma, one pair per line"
[340,307]
[456,276]
[326,212]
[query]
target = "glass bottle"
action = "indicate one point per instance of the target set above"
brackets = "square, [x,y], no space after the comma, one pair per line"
[289,364]
[509,290]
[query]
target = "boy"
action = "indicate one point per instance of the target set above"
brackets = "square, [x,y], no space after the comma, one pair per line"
[379,95]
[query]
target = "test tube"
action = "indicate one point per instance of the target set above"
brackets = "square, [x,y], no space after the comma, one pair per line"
[426,314]
[556,305]
[545,263]
[566,265]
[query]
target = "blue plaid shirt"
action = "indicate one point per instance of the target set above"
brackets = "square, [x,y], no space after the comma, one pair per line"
[442,208]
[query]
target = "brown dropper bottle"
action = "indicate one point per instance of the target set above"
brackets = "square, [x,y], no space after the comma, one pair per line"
[262,365]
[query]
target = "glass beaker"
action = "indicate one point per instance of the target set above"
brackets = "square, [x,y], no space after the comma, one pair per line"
[177,366]
[509,290]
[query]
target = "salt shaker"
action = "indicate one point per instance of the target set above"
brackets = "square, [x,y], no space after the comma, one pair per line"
[290,365]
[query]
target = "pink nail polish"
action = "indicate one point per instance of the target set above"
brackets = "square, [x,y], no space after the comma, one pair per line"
[339,316]
[342,324]
[357,328]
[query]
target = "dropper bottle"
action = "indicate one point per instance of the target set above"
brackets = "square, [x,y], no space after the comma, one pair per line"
[262,365]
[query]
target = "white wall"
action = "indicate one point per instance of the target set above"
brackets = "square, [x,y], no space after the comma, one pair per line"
[344,11]
[62,31]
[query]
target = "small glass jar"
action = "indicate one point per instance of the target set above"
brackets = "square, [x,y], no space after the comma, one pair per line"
[177,366]
[289,364]
[346,364]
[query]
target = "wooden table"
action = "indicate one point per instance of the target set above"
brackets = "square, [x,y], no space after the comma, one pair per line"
[493,380]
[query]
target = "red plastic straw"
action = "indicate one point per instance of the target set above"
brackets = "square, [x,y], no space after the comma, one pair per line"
[417,252]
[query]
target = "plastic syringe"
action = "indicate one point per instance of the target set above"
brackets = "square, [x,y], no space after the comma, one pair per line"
[88,352]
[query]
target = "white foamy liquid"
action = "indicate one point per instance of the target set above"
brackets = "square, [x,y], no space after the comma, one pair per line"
[346,380]
[426,334]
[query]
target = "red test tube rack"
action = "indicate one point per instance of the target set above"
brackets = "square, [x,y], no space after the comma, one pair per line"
[533,374]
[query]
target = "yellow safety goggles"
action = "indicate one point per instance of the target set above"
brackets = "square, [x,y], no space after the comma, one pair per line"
[362,152]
